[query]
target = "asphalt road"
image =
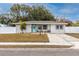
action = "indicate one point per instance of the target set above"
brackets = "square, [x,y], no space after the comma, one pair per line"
[38,52]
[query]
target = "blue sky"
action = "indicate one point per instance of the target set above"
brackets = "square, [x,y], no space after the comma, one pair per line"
[69,11]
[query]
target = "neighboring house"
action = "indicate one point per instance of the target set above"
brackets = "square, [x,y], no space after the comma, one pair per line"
[44,26]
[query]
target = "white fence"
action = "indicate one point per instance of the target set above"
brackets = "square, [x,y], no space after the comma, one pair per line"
[7,30]
[71,29]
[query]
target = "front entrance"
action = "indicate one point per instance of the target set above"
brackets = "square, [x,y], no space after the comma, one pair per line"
[34,28]
[39,27]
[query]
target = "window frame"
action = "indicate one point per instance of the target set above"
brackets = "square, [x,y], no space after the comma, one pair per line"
[45,27]
[59,27]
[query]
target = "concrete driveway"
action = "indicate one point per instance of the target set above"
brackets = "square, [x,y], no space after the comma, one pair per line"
[55,38]
[64,39]
[68,38]
[73,40]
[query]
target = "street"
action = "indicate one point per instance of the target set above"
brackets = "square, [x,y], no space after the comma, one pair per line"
[38,52]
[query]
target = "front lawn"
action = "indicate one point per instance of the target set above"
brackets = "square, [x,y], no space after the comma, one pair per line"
[74,35]
[23,38]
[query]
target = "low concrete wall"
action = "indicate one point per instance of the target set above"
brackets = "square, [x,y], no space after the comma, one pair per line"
[71,29]
[7,30]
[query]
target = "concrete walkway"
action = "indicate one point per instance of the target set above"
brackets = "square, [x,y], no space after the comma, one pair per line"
[31,43]
[54,38]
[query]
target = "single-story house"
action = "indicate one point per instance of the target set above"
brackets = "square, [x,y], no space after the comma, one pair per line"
[44,26]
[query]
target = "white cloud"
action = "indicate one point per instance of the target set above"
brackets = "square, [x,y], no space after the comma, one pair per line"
[36,4]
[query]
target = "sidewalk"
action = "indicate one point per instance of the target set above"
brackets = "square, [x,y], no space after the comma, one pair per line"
[30,43]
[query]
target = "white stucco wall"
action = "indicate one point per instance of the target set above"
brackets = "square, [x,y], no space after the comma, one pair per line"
[28,28]
[18,29]
[49,27]
[54,30]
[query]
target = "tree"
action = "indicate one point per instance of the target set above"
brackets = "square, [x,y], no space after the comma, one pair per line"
[19,11]
[22,26]
[15,10]
[3,19]
[40,13]
[26,13]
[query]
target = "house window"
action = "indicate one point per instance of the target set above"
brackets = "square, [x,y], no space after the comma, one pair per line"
[45,27]
[61,27]
[39,27]
[57,26]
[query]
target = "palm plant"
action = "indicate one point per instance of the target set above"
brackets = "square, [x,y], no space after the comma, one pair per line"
[22,26]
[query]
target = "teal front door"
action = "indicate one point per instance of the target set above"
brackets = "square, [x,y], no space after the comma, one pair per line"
[34,28]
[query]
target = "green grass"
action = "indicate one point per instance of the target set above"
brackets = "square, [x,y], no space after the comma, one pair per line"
[23,38]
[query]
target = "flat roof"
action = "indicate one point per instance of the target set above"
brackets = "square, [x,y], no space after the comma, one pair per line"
[42,22]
